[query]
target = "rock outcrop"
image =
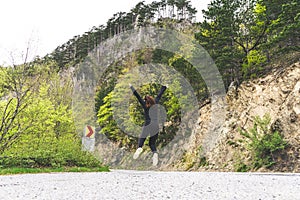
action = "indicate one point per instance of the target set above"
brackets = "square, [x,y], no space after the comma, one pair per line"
[276,94]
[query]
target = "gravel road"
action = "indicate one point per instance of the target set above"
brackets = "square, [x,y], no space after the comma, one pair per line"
[123,184]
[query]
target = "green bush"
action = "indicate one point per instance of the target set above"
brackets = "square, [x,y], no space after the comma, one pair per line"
[81,159]
[263,142]
[48,152]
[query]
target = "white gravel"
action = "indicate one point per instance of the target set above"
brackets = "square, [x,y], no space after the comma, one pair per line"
[123,184]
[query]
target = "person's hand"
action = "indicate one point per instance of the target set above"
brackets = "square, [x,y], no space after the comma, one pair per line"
[130,85]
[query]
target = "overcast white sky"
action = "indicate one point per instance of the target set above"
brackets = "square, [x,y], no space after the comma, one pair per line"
[46,24]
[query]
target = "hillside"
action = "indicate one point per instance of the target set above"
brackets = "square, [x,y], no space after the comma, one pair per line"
[46,104]
[276,94]
[245,44]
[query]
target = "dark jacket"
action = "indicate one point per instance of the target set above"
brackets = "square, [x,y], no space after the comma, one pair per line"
[143,103]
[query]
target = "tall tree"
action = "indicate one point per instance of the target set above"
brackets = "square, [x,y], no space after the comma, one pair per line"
[20,83]
[284,20]
[218,35]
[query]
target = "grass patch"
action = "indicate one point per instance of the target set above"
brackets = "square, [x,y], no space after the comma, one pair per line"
[16,170]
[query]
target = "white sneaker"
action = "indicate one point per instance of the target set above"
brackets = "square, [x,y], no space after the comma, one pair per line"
[137,153]
[155,159]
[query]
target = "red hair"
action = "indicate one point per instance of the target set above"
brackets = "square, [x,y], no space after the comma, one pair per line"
[149,100]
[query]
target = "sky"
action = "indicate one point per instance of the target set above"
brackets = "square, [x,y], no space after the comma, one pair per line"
[43,25]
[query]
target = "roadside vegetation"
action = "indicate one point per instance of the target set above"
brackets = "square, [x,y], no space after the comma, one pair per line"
[37,131]
[264,144]
[244,38]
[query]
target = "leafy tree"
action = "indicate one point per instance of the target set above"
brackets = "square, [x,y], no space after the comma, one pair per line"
[20,83]
[106,121]
[283,18]
[37,127]
[218,34]
[239,34]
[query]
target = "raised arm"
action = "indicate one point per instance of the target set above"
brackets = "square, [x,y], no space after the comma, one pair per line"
[162,90]
[136,94]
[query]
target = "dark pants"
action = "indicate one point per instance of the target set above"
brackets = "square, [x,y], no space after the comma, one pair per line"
[151,129]
[152,142]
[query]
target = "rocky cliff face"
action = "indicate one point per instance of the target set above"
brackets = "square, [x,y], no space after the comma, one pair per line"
[277,94]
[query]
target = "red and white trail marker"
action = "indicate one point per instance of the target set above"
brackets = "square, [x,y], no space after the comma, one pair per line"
[89,132]
[88,138]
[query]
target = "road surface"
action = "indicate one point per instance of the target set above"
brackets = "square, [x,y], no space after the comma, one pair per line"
[124,184]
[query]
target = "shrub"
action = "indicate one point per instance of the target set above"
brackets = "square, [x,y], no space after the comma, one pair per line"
[63,152]
[263,142]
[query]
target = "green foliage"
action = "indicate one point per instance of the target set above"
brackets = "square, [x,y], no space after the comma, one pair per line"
[2,81]
[219,35]
[161,56]
[110,128]
[239,164]
[253,64]
[106,95]
[191,74]
[76,49]
[243,36]
[37,128]
[189,160]
[16,170]
[283,25]
[19,85]
[263,142]
[52,154]
[240,35]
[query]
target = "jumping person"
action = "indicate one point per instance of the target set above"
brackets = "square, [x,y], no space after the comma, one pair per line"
[151,126]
